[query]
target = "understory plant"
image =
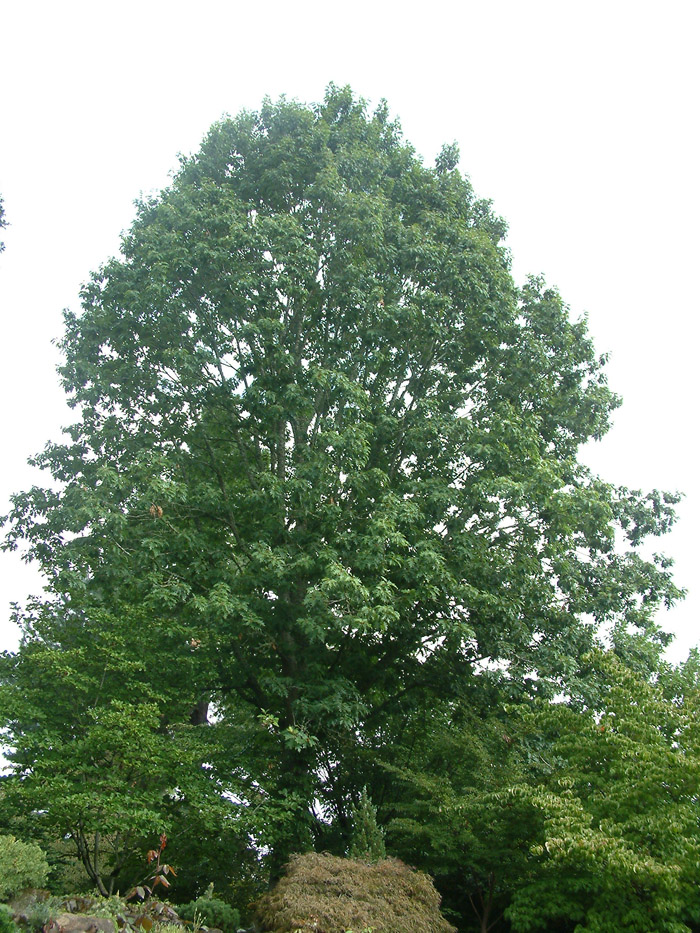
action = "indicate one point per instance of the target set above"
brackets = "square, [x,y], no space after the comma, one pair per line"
[22,865]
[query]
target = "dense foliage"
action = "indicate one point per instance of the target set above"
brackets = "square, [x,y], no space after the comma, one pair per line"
[211,912]
[22,865]
[334,895]
[7,923]
[320,534]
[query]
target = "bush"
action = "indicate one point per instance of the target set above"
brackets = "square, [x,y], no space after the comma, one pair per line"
[38,915]
[327,894]
[7,923]
[367,839]
[22,865]
[212,912]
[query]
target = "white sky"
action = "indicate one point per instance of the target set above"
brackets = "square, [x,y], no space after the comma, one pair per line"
[579,119]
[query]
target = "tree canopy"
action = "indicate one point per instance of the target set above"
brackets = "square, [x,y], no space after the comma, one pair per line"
[325,463]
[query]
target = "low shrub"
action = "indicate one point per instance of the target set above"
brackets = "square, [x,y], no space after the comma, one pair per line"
[149,915]
[22,865]
[39,914]
[326,894]
[211,912]
[7,923]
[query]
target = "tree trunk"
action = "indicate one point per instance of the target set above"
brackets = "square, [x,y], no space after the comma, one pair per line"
[200,713]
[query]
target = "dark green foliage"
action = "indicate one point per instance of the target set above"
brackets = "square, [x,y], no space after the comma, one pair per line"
[325,894]
[559,813]
[22,865]
[212,912]
[7,923]
[207,845]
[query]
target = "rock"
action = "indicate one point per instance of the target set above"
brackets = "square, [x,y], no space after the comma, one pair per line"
[82,923]
[26,901]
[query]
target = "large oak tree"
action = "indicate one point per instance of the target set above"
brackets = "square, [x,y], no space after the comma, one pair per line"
[322,431]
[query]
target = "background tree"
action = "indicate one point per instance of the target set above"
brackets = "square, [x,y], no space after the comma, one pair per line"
[458,801]
[103,752]
[553,816]
[322,433]
[621,841]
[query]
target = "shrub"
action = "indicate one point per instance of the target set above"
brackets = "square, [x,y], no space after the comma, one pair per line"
[211,912]
[7,923]
[22,865]
[367,839]
[39,914]
[327,894]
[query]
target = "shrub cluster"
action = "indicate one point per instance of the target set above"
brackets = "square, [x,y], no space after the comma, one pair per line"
[22,865]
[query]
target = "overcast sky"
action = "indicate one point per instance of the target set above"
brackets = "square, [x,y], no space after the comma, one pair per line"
[579,120]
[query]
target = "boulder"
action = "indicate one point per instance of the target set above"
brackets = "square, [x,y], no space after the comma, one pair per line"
[81,923]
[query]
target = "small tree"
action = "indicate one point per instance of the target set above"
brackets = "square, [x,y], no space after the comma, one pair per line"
[102,750]
[367,838]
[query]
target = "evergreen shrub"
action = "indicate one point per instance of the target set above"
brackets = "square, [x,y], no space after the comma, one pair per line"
[211,912]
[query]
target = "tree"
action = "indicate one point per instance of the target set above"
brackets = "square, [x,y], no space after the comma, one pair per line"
[579,813]
[620,846]
[322,431]
[461,802]
[3,222]
[367,840]
[101,753]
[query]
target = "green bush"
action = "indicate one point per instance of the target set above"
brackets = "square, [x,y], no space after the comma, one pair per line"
[7,924]
[39,914]
[22,865]
[212,912]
